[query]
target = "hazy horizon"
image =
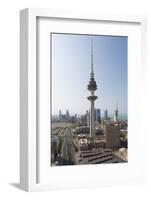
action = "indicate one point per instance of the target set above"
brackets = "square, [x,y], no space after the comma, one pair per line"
[121,116]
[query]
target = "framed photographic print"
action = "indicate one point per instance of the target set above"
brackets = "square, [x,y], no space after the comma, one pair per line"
[82,77]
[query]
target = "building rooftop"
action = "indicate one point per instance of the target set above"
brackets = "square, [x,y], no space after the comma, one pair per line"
[97,156]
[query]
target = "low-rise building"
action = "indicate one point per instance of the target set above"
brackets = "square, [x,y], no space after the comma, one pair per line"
[122,153]
[98,156]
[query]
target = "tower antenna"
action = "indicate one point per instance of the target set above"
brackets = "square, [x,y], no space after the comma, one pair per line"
[92,73]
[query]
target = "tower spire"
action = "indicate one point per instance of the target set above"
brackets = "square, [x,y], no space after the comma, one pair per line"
[92,73]
[91,55]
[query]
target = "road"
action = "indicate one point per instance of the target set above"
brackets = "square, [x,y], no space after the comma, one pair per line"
[64,153]
[67,148]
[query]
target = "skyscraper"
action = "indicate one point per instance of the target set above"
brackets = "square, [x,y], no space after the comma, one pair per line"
[116,114]
[60,115]
[97,115]
[106,115]
[67,115]
[88,118]
[92,87]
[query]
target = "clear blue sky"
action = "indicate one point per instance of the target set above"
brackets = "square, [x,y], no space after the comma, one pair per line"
[71,62]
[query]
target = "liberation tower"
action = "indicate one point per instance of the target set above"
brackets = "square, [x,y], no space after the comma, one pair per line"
[92,87]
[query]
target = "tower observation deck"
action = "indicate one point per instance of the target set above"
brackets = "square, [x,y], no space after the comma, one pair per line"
[92,87]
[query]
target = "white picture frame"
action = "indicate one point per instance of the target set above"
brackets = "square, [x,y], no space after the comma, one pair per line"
[29,95]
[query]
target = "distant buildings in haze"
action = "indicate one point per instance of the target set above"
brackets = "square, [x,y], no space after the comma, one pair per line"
[106,115]
[85,118]
[116,117]
[64,117]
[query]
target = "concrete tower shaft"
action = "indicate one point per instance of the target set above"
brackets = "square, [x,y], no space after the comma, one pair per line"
[92,87]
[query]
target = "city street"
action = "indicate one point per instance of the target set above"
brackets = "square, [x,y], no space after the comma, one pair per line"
[67,148]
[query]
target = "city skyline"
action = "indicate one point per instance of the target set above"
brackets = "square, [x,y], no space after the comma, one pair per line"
[102,114]
[71,68]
